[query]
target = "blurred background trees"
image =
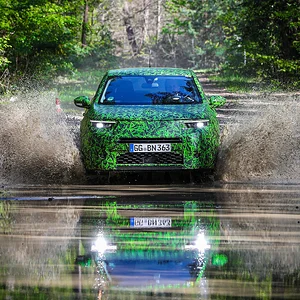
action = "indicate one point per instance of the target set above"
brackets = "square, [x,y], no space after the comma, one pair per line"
[46,38]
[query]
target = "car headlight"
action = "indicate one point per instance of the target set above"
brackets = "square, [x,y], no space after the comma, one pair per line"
[197,124]
[102,124]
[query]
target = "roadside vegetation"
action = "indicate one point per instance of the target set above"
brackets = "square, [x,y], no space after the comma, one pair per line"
[83,82]
[243,83]
[69,44]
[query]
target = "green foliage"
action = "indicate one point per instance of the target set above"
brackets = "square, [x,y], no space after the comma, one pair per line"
[39,36]
[4,44]
[246,37]
[263,39]
[42,38]
[195,29]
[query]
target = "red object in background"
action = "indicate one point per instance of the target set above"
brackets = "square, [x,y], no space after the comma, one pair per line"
[57,103]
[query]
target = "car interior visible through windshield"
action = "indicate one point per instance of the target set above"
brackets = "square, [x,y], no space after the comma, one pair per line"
[146,90]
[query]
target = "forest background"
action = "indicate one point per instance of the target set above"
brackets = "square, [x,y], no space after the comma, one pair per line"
[42,40]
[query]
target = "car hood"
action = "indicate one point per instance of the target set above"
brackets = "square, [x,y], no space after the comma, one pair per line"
[150,112]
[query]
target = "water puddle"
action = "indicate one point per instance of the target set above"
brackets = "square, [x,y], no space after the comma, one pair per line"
[214,243]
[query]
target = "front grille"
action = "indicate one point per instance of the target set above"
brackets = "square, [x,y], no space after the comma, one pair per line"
[149,140]
[169,158]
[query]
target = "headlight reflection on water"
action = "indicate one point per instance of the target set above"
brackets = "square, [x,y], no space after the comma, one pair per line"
[200,244]
[101,245]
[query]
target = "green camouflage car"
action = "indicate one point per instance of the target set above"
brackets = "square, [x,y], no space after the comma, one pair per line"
[132,250]
[149,119]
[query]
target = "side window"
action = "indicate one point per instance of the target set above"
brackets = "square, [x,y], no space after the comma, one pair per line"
[108,90]
[100,88]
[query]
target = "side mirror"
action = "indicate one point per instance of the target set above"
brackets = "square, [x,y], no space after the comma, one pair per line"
[216,101]
[82,101]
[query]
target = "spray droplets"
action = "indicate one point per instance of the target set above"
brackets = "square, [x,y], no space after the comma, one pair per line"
[37,146]
[35,143]
[264,146]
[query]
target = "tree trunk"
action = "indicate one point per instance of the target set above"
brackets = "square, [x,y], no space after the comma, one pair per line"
[129,29]
[84,23]
[158,20]
[146,21]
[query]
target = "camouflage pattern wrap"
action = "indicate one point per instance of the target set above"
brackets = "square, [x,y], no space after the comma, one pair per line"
[101,147]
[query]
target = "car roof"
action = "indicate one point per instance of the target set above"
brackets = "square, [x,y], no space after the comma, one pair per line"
[151,71]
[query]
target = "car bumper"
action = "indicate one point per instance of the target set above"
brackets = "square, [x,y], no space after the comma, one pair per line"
[190,149]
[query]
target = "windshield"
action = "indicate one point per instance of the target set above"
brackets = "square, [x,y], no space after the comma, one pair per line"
[146,90]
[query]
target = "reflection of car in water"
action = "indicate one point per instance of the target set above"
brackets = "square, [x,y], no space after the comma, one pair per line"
[149,247]
[149,119]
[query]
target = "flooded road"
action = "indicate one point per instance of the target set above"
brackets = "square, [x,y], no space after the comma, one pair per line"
[150,237]
[213,241]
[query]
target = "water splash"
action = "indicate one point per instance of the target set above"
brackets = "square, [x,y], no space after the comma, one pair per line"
[36,145]
[265,146]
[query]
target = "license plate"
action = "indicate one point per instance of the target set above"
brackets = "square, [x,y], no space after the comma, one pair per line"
[166,147]
[150,222]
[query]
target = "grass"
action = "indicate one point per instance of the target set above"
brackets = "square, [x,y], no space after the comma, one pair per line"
[82,83]
[239,83]
[235,83]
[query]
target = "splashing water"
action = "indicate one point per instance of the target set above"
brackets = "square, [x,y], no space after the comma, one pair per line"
[264,147]
[35,143]
[37,146]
